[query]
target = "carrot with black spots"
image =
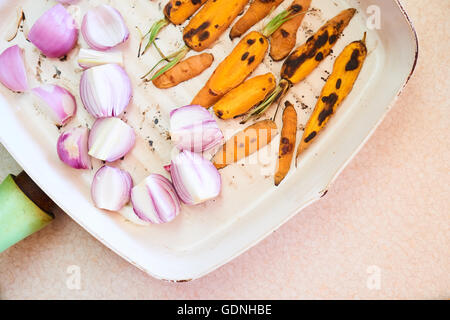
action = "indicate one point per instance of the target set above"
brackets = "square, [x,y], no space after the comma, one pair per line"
[284,39]
[234,69]
[178,11]
[287,142]
[211,22]
[307,57]
[257,11]
[338,86]
[242,98]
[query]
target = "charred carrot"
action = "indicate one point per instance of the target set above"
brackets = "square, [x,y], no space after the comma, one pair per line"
[210,22]
[245,143]
[287,142]
[232,71]
[307,57]
[283,40]
[340,83]
[185,70]
[178,11]
[303,60]
[256,12]
[242,98]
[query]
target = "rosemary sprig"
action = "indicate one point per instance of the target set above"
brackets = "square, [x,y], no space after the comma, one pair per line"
[152,34]
[279,20]
[276,94]
[174,59]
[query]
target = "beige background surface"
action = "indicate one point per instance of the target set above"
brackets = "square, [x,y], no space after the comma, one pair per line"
[390,209]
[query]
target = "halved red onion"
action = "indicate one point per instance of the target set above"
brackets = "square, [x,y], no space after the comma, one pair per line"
[55,32]
[111,188]
[110,139]
[105,90]
[88,58]
[103,28]
[155,200]
[194,128]
[195,178]
[12,69]
[72,148]
[57,102]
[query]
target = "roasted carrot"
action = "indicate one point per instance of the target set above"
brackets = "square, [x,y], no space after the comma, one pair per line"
[185,70]
[210,22]
[175,12]
[283,40]
[307,57]
[256,12]
[245,143]
[232,71]
[242,98]
[178,11]
[340,83]
[287,142]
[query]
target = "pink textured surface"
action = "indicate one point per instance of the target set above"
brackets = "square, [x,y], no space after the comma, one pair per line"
[389,208]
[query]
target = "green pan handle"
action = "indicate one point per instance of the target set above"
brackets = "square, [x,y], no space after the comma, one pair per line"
[24,209]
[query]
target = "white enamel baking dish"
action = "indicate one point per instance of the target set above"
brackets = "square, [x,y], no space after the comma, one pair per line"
[250,207]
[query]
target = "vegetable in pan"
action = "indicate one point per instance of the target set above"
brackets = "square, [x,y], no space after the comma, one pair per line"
[257,11]
[242,98]
[185,70]
[245,143]
[287,142]
[307,57]
[242,61]
[284,39]
[178,11]
[340,83]
[211,22]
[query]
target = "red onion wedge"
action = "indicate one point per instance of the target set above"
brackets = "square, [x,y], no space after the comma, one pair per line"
[110,139]
[57,102]
[55,32]
[155,200]
[103,28]
[195,178]
[105,90]
[111,188]
[88,58]
[72,148]
[12,69]
[194,128]
[67,1]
